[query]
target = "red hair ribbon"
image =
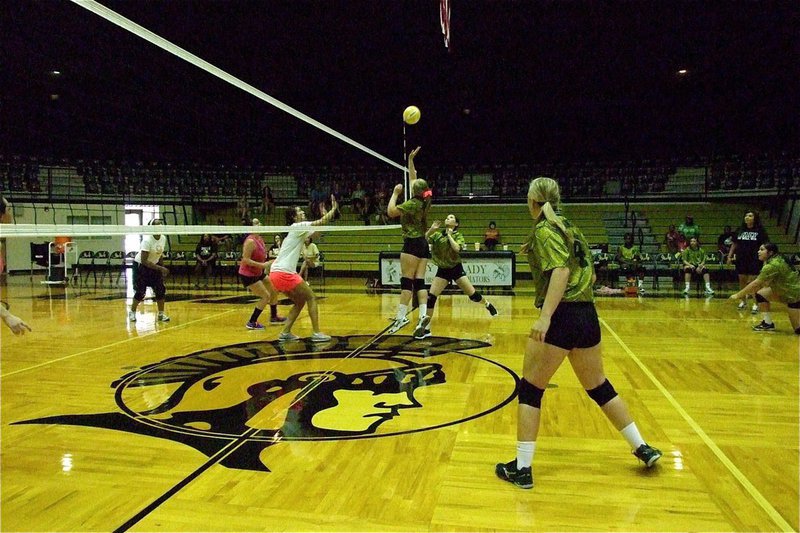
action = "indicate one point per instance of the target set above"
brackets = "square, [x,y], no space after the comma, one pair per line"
[427,194]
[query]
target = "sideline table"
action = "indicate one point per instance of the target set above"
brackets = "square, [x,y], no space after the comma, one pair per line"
[484,269]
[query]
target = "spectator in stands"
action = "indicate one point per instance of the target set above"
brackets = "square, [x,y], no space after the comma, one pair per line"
[368,209]
[206,256]
[316,198]
[413,215]
[689,229]
[749,237]
[777,280]
[357,199]
[14,323]
[223,240]
[380,209]
[309,255]
[491,237]
[243,208]
[629,258]
[148,273]
[267,200]
[277,240]
[725,241]
[694,262]
[672,241]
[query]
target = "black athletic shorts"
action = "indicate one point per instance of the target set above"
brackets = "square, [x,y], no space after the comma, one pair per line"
[452,273]
[748,266]
[574,325]
[249,280]
[144,277]
[416,246]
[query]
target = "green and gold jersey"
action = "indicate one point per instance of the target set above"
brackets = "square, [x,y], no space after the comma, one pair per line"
[442,252]
[782,279]
[629,254]
[548,249]
[413,218]
[694,257]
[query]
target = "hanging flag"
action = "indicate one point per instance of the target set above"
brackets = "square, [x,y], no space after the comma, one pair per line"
[444,19]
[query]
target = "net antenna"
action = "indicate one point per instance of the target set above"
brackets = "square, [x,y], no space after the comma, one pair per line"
[444,20]
[147,35]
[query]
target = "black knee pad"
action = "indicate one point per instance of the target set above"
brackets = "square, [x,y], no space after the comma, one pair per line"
[406,284]
[602,394]
[530,394]
[139,296]
[760,299]
[419,285]
[431,301]
[476,297]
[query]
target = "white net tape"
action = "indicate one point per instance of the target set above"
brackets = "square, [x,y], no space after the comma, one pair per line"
[88,230]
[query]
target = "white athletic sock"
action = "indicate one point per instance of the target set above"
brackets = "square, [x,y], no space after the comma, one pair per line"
[401,311]
[423,310]
[525,450]
[767,318]
[632,436]
[708,285]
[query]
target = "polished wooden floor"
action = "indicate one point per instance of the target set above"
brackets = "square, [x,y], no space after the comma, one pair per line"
[199,424]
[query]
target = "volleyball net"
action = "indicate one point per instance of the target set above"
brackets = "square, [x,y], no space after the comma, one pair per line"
[127,77]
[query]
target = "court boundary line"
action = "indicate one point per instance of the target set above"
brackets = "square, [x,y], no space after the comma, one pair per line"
[707,440]
[129,339]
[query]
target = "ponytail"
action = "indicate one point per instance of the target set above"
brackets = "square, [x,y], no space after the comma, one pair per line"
[545,192]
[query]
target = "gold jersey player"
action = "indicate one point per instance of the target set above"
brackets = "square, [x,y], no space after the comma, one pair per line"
[415,254]
[446,245]
[777,281]
[567,327]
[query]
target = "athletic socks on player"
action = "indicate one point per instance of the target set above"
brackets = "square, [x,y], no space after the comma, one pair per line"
[402,311]
[632,436]
[525,451]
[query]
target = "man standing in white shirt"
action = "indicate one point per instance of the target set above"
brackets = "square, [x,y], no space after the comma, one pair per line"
[148,273]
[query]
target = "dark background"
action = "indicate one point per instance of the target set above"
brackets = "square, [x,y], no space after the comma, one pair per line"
[523,80]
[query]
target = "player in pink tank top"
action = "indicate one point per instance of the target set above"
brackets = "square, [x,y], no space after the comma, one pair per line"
[252,269]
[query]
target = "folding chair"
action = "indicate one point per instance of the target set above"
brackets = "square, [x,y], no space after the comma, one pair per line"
[101,260]
[39,255]
[117,261]
[319,270]
[85,262]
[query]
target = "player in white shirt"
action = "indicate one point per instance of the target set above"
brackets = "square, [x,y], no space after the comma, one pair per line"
[283,272]
[148,273]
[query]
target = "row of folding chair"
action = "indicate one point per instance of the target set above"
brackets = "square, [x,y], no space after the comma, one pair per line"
[110,266]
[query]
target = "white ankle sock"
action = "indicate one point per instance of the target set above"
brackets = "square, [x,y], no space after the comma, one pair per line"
[632,435]
[401,311]
[767,318]
[525,451]
[423,310]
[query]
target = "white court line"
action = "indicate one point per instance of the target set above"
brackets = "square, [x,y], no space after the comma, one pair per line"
[748,486]
[123,341]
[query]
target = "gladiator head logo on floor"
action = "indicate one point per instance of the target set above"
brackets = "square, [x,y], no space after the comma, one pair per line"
[232,403]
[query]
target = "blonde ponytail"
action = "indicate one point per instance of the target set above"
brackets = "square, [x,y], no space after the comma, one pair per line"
[545,192]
